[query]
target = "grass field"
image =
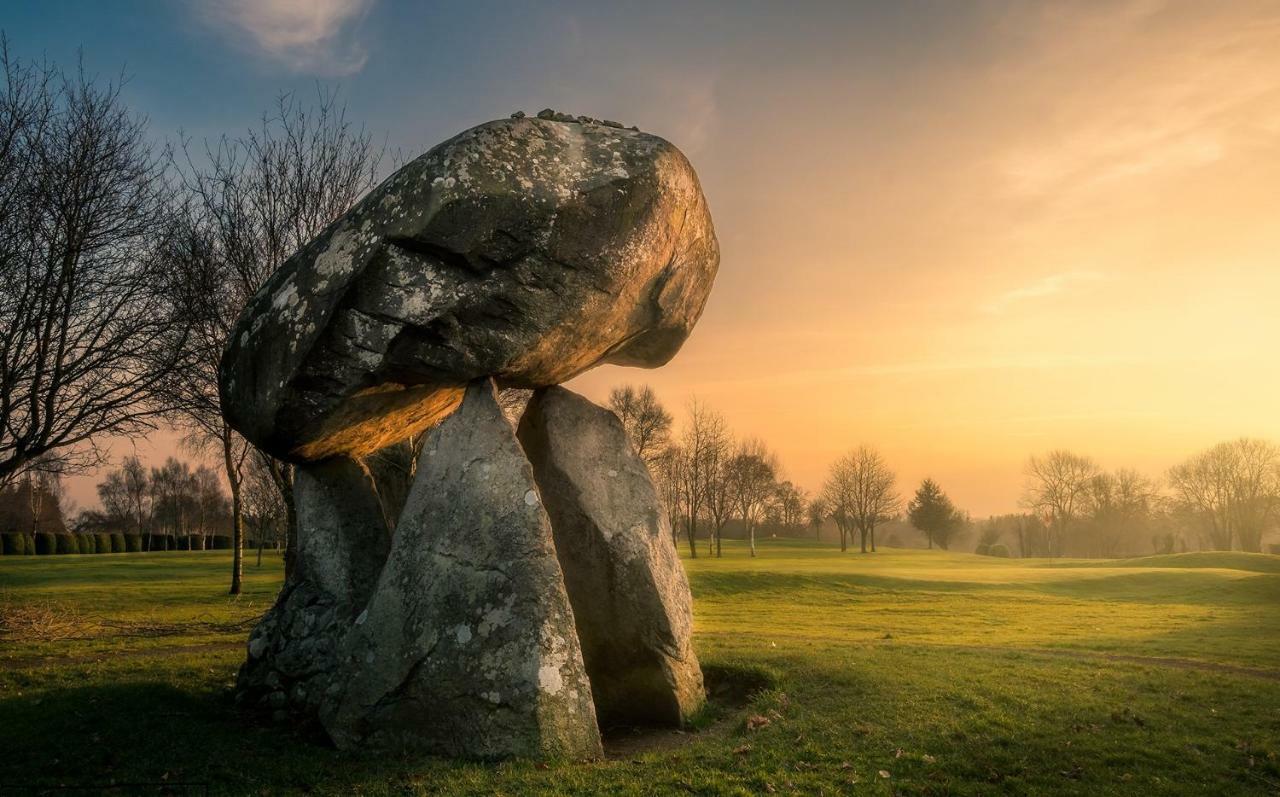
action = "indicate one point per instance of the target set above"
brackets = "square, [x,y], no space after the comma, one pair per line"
[906,672]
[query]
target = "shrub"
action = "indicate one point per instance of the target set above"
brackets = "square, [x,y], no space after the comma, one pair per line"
[13,544]
[117,543]
[102,543]
[221,543]
[132,543]
[155,542]
[88,543]
[983,549]
[66,543]
[31,544]
[999,549]
[45,543]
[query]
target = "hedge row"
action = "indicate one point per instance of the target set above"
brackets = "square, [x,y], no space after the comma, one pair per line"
[47,543]
[998,549]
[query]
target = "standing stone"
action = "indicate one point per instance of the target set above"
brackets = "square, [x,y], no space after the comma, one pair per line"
[468,646]
[343,541]
[628,589]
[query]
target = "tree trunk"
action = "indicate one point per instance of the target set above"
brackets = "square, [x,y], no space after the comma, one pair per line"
[282,476]
[691,531]
[862,533]
[237,539]
[237,511]
[752,531]
[873,539]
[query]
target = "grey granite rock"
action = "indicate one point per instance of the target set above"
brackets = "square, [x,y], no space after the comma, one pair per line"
[629,592]
[468,646]
[529,250]
[343,542]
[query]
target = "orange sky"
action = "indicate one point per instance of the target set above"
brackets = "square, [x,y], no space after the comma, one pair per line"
[1027,225]
[1071,244]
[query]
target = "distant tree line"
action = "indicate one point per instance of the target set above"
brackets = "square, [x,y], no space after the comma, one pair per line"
[1226,497]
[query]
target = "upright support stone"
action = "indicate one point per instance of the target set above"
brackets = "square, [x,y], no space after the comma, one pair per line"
[343,541]
[468,645]
[629,592]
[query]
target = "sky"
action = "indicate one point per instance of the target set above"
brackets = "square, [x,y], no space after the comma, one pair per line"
[960,232]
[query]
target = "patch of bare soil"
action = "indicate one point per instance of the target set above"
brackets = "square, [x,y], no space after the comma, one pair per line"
[729,691]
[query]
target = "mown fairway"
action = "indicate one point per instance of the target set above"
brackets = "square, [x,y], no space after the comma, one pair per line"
[906,672]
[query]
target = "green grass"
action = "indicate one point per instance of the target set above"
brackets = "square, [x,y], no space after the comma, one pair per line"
[953,674]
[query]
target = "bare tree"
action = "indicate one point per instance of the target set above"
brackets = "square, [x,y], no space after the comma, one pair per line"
[752,476]
[1232,490]
[1056,488]
[646,421]
[83,202]
[789,502]
[861,492]
[263,504]
[817,512]
[117,506]
[703,445]
[668,473]
[137,488]
[1118,509]
[250,204]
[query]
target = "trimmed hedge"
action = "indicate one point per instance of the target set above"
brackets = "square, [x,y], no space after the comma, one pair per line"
[983,549]
[117,543]
[87,543]
[46,543]
[999,549]
[31,544]
[102,543]
[220,543]
[132,543]
[66,543]
[13,544]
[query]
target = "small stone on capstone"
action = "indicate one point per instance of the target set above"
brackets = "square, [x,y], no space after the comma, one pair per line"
[633,127]
[611,123]
[546,113]
[564,117]
[518,115]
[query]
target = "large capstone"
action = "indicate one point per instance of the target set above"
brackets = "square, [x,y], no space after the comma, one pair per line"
[468,645]
[629,592]
[529,250]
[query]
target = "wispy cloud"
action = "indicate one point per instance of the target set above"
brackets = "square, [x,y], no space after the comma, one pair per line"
[1141,89]
[1047,286]
[310,36]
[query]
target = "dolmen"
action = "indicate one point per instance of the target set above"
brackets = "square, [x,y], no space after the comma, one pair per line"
[466,585]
